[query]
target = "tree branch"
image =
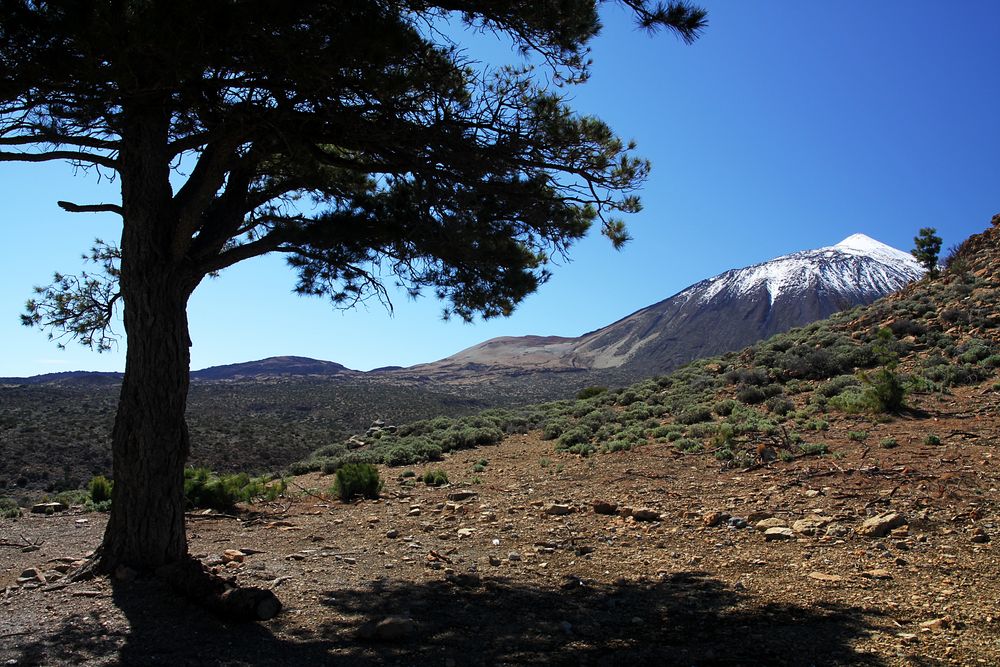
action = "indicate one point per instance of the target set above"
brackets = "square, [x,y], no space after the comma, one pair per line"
[99,160]
[58,140]
[268,243]
[194,197]
[91,208]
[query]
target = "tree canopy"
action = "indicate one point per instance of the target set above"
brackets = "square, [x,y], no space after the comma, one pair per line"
[354,137]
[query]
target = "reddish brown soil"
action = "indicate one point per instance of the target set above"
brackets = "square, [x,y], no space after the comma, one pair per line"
[588,588]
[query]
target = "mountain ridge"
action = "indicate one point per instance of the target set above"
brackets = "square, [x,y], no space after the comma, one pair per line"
[722,313]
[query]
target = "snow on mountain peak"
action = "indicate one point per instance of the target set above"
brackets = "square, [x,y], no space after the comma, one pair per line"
[887,269]
[866,245]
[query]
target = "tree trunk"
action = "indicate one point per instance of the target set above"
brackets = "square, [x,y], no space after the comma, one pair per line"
[150,437]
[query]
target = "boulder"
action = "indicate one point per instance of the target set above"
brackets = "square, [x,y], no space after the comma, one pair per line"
[777,534]
[48,508]
[880,525]
[773,522]
[556,509]
[645,514]
[601,507]
[811,524]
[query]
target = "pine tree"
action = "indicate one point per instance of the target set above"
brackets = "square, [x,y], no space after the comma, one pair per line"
[412,162]
[928,247]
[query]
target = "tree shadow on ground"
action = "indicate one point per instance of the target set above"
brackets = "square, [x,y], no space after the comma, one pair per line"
[686,618]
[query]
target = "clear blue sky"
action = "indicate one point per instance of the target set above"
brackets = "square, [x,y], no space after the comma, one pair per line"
[788,125]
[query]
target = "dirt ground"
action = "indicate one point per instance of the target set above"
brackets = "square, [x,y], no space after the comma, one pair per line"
[524,571]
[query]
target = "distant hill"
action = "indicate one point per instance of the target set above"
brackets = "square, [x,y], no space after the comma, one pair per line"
[273,367]
[727,312]
[66,378]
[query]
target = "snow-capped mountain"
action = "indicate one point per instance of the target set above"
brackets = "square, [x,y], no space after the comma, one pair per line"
[727,312]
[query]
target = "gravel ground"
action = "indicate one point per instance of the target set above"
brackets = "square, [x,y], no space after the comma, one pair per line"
[524,570]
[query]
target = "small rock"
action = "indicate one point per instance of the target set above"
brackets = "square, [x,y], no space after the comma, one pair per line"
[778,533]
[810,524]
[465,532]
[979,536]
[774,522]
[495,561]
[392,534]
[837,530]
[350,561]
[812,493]
[465,580]
[601,507]
[877,574]
[736,522]
[459,496]
[31,576]
[880,525]
[645,514]
[936,624]
[556,509]
[232,556]
[823,576]
[513,556]
[713,519]
[391,628]
[373,519]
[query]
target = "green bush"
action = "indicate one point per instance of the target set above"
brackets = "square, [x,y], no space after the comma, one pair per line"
[617,446]
[884,390]
[9,509]
[100,489]
[751,395]
[814,449]
[590,392]
[695,415]
[931,439]
[779,405]
[553,429]
[436,477]
[725,407]
[857,436]
[724,454]
[688,445]
[357,479]
[837,385]
[205,489]
[581,448]
[887,443]
[575,436]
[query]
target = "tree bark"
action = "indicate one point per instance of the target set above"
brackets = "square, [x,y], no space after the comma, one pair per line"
[150,437]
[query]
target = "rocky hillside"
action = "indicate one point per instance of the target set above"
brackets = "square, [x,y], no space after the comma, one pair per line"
[724,313]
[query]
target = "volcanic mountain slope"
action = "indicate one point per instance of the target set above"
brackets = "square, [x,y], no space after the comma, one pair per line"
[724,313]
